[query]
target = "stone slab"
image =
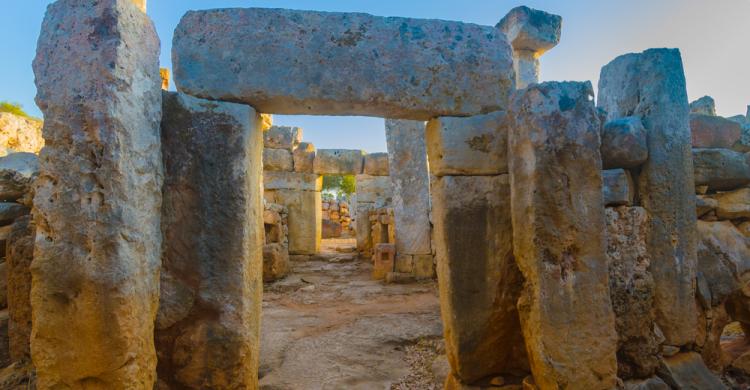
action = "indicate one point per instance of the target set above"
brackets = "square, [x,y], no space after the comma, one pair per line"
[559,238]
[714,131]
[476,145]
[208,325]
[96,261]
[720,169]
[343,63]
[277,160]
[376,190]
[376,164]
[292,181]
[338,162]
[305,220]
[652,85]
[478,278]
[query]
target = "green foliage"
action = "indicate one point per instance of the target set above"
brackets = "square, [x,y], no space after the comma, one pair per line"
[13,108]
[348,185]
[331,183]
[341,185]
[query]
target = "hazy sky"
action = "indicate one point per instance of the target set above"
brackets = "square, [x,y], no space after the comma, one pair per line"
[713,35]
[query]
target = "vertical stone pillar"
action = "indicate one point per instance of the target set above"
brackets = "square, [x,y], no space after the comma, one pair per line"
[96,262]
[478,278]
[19,252]
[531,33]
[407,162]
[559,237]
[651,85]
[209,315]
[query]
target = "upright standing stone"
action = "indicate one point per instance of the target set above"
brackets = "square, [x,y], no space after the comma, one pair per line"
[478,277]
[652,85]
[559,237]
[305,219]
[209,316]
[19,252]
[407,162]
[344,63]
[96,263]
[531,33]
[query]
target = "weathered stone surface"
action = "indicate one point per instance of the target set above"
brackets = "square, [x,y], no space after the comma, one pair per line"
[617,187]
[9,211]
[3,285]
[363,64]
[703,106]
[407,159]
[4,352]
[478,277]
[651,85]
[339,162]
[331,229]
[292,181]
[687,371]
[631,289]
[720,169]
[362,227]
[17,173]
[376,164]
[20,134]
[282,137]
[18,256]
[476,145]
[213,233]
[734,204]
[304,157]
[305,220]
[704,204]
[277,160]
[531,33]
[559,239]
[624,143]
[647,384]
[376,190]
[714,131]
[98,197]
[275,262]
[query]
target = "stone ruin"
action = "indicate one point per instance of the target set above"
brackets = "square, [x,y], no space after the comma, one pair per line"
[570,247]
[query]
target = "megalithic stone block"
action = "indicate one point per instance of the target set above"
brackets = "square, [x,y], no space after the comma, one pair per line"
[96,262]
[559,237]
[19,252]
[305,219]
[344,63]
[477,275]
[652,85]
[208,325]
[407,162]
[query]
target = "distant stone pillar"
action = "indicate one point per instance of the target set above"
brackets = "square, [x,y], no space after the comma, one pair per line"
[651,85]
[407,162]
[208,324]
[531,33]
[559,237]
[96,262]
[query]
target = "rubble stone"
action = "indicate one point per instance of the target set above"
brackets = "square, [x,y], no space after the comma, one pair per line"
[617,187]
[624,143]
[17,174]
[275,262]
[97,204]
[687,371]
[476,145]
[714,131]
[18,256]
[703,106]
[445,68]
[720,169]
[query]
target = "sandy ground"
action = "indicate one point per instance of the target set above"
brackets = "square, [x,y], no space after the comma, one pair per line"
[328,326]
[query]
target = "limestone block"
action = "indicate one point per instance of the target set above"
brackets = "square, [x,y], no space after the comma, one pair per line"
[743,145]
[331,229]
[617,187]
[277,160]
[304,157]
[376,190]
[305,220]
[477,275]
[98,197]
[714,131]
[376,164]
[275,262]
[9,211]
[20,134]
[720,169]
[282,137]
[723,259]
[651,85]
[212,218]
[704,205]
[703,106]
[476,145]
[363,64]
[624,143]
[559,239]
[410,177]
[292,181]
[734,204]
[18,256]
[383,260]
[338,162]
[687,371]
[631,288]
[17,173]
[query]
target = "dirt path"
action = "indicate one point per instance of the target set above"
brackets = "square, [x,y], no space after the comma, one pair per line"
[328,326]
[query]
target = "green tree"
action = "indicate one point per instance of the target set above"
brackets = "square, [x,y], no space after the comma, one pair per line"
[339,184]
[348,184]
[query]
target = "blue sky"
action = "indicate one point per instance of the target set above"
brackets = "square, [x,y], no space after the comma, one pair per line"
[712,35]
